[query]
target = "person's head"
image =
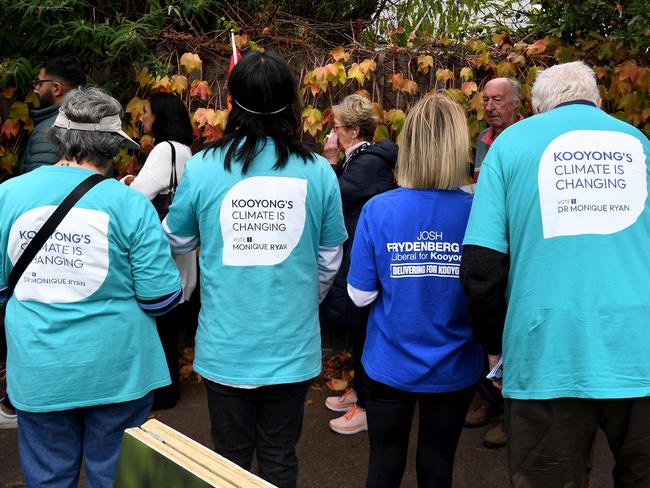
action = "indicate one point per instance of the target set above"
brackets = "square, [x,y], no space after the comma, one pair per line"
[88,128]
[56,78]
[564,83]
[165,117]
[265,104]
[434,145]
[355,120]
[501,102]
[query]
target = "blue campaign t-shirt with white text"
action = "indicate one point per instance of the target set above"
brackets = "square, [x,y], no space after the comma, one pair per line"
[408,247]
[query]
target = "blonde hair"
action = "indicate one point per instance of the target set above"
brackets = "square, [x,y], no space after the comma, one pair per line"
[357,110]
[434,145]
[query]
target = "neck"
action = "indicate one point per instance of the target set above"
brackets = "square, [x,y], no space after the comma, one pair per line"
[84,165]
[350,149]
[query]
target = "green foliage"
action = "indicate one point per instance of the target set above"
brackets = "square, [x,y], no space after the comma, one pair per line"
[329,10]
[412,48]
[625,21]
[407,20]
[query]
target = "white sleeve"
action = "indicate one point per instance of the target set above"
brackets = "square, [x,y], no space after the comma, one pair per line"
[154,175]
[180,244]
[329,262]
[362,298]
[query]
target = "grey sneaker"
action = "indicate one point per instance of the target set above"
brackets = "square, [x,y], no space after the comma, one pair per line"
[7,420]
[351,423]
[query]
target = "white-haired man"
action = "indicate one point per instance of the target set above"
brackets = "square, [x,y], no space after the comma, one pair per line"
[501,106]
[559,226]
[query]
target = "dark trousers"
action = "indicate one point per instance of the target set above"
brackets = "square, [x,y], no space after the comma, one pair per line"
[169,327]
[390,413]
[266,421]
[3,355]
[549,441]
[491,395]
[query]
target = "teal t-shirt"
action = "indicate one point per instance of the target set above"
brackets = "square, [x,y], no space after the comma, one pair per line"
[564,193]
[76,335]
[259,233]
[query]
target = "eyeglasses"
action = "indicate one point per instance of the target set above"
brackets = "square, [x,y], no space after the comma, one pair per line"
[337,126]
[38,83]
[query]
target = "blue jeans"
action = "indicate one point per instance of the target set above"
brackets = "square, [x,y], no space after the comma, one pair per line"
[266,421]
[51,444]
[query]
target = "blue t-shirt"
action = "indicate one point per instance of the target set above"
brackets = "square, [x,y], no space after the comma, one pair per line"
[260,233]
[564,193]
[408,247]
[76,335]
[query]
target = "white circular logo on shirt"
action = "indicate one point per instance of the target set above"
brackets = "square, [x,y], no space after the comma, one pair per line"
[73,262]
[262,219]
[591,182]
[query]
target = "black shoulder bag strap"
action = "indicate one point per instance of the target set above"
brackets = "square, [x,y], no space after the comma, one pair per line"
[173,179]
[48,229]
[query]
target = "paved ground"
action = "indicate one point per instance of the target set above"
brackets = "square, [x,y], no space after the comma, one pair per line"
[327,459]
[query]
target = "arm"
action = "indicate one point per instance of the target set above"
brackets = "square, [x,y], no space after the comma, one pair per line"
[156,281]
[181,224]
[331,150]
[154,175]
[180,244]
[4,295]
[363,281]
[329,262]
[360,179]
[362,298]
[162,305]
[484,275]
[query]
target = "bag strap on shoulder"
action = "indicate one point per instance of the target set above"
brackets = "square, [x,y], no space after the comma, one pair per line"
[49,227]
[173,179]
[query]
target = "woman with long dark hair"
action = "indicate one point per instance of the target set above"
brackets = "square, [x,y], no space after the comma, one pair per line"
[167,120]
[267,211]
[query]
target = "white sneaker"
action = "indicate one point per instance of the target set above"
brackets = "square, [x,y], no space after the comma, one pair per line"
[351,423]
[343,402]
[7,420]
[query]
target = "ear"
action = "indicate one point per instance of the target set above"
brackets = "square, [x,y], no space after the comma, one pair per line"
[57,90]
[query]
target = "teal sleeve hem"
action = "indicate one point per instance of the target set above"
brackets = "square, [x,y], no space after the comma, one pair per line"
[500,247]
[152,294]
[334,242]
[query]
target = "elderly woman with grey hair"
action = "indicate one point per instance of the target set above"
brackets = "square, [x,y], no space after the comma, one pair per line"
[366,171]
[83,353]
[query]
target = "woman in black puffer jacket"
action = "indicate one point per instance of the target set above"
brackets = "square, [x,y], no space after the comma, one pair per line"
[366,171]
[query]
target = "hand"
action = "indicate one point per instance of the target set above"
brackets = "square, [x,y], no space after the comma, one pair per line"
[331,148]
[493,359]
[128,179]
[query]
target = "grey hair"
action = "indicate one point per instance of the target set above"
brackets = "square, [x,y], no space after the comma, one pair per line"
[358,110]
[88,104]
[564,83]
